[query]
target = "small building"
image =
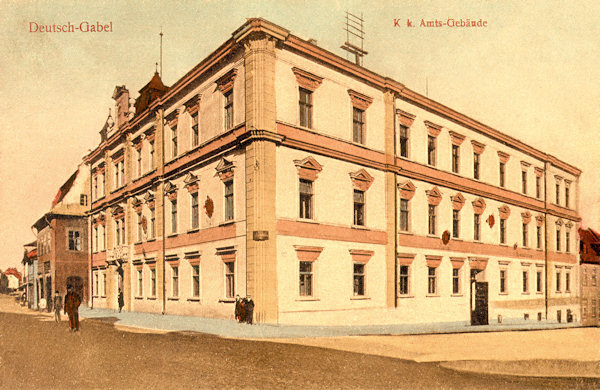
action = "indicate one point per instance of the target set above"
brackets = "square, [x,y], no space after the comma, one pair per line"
[589,254]
[14,278]
[62,241]
[30,263]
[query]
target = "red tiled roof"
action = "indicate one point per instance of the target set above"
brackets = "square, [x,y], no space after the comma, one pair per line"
[13,271]
[64,189]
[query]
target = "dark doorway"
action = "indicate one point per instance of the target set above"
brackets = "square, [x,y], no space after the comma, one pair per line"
[479,300]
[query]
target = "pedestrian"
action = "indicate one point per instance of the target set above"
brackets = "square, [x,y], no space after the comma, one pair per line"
[121,300]
[57,306]
[249,310]
[72,302]
[237,308]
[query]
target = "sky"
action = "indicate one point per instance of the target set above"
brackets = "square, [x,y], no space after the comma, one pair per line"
[532,73]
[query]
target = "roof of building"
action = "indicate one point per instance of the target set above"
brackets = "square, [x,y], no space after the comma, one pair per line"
[589,250]
[13,271]
[64,189]
[28,256]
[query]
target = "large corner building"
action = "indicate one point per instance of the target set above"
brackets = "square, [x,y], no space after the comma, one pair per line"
[327,193]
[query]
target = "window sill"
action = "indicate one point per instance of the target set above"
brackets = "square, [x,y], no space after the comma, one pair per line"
[406,232]
[307,220]
[194,299]
[139,298]
[432,296]
[151,298]
[539,292]
[194,230]
[457,295]
[137,242]
[503,293]
[172,235]
[173,298]
[307,299]
[432,236]
[404,296]
[359,227]
[227,300]
[360,298]
[227,223]
[151,240]
[525,293]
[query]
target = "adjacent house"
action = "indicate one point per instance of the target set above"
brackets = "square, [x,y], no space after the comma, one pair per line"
[14,278]
[589,254]
[327,193]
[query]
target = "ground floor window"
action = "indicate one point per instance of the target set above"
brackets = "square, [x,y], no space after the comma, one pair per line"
[140,287]
[431,281]
[196,280]
[403,280]
[455,280]
[306,275]
[153,281]
[174,281]
[359,279]
[230,279]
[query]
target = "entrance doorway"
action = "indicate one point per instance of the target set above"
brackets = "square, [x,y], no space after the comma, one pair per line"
[479,299]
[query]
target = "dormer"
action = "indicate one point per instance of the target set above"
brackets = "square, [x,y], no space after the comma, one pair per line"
[149,93]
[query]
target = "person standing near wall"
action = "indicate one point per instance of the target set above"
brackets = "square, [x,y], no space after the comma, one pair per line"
[57,306]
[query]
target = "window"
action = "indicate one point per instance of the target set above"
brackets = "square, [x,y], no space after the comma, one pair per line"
[455,223]
[228,110]
[306,274]
[174,216]
[103,235]
[558,277]
[230,279]
[104,283]
[174,281]
[567,281]
[455,280]
[359,279]
[538,187]
[566,197]
[538,281]
[83,200]
[432,212]
[95,193]
[102,183]
[539,236]
[152,222]
[306,199]
[174,142]
[195,131]
[139,162]
[96,283]
[140,291]
[403,280]
[524,182]
[502,174]
[196,280]
[194,213]
[359,208]
[557,239]
[139,227]
[119,232]
[525,281]
[229,200]
[404,215]
[122,175]
[431,150]
[567,241]
[477,227]
[95,243]
[152,282]
[455,158]
[557,193]
[431,280]
[476,165]
[525,235]
[403,141]
[358,125]
[305,108]
[502,231]
[74,240]
[502,281]
[152,162]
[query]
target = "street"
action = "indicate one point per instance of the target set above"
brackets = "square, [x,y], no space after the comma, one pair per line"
[36,352]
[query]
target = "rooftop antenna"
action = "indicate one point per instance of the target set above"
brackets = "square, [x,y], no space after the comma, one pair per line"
[161,44]
[355,36]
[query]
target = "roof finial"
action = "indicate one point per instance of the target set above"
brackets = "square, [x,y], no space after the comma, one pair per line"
[156,67]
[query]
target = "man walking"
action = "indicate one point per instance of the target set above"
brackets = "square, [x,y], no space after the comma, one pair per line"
[57,306]
[72,302]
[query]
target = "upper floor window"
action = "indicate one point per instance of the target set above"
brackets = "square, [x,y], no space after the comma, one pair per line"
[305,108]
[502,231]
[174,216]
[539,236]
[558,239]
[557,193]
[525,235]
[404,215]
[502,174]
[358,125]
[95,187]
[455,223]
[195,131]
[431,146]
[138,156]
[228,109]
[524,182]
[567,241]
[306,199]
[566,196]
[174,142]
[119,174]
[83,200]
[229,200]
[403,141]
[194,213]
[432,219]
[359,207]
[477,227]
[152,160]
[455,158]
[74,240]
[538,187]
[476,165]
